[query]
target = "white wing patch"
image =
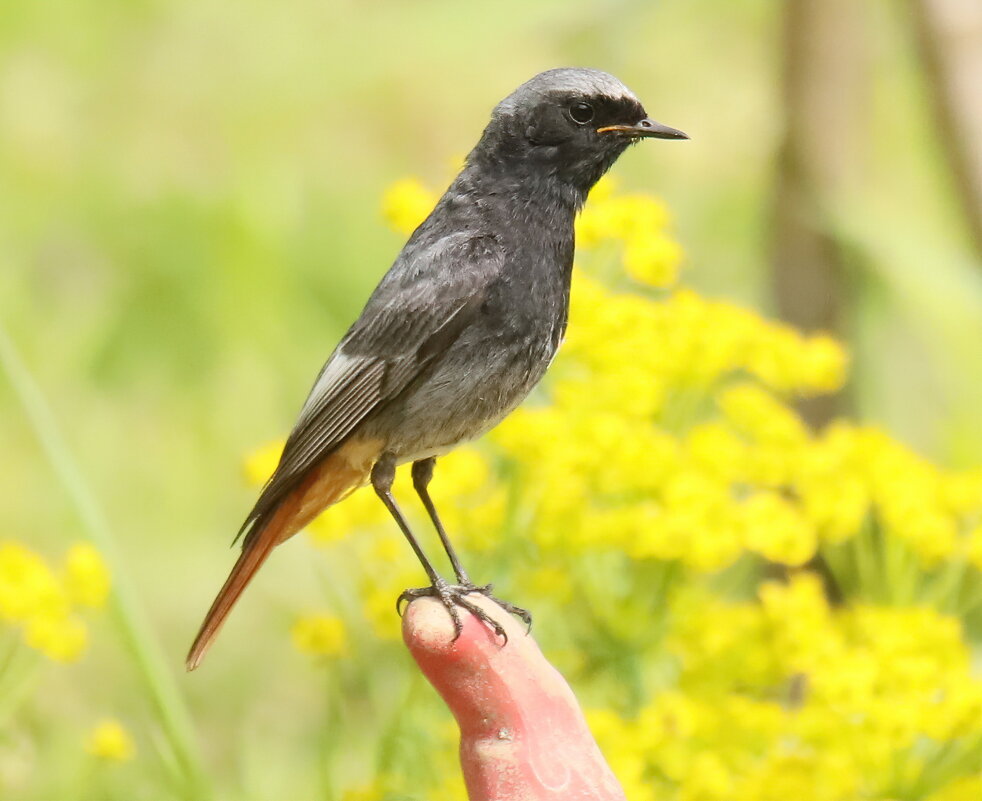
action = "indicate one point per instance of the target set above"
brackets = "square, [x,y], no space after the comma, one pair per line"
[338,369]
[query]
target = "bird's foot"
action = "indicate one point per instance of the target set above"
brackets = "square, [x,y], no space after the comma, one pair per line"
[510,608]
[454,595]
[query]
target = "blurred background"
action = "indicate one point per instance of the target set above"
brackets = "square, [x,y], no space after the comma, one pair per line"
[189,220]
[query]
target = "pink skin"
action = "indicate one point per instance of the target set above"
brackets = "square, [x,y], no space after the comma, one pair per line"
[522,734]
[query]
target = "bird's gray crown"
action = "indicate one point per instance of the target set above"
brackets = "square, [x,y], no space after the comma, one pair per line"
[566,80]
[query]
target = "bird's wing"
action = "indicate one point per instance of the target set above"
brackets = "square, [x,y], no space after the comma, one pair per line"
[413,316]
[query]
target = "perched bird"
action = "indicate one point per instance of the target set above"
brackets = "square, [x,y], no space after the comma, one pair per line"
[458,331]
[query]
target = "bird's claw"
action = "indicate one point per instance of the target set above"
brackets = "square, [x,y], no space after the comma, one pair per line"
[510,608]
[454,595]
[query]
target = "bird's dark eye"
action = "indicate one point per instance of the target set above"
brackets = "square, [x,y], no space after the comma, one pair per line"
[581,113]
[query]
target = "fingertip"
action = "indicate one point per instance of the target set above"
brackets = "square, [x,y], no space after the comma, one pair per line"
[427,627]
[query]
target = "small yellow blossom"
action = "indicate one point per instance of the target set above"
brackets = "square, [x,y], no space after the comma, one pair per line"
[320,635]
[86,576]
[822,365]
[109,740]
[604,189]
[653,259]
[776,529]
[359,510]
[406,204]
[609,216]
[61,638]
[753,411]
[28,587]
[260,463]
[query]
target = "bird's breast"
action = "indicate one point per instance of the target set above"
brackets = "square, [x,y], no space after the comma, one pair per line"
[488,371]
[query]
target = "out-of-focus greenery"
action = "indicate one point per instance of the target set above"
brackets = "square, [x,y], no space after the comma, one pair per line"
[188,222]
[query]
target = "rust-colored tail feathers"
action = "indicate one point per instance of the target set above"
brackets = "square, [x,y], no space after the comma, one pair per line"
[332,480]
[250,560]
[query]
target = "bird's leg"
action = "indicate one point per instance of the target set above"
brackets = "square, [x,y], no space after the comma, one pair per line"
[450,595]
[422,475]
[383,474]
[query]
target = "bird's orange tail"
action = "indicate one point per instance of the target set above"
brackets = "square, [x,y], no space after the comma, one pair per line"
[337,475]
[250,560]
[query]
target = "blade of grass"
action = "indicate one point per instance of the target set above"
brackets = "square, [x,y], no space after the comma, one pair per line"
[128,614]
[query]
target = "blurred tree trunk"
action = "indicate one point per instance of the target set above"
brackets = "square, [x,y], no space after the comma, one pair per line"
[950,36]
[824,97]
[825,88]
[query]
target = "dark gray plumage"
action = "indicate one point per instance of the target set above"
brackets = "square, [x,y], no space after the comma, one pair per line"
[461,327]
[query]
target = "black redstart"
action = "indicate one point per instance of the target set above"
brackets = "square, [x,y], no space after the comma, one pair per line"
[458,331]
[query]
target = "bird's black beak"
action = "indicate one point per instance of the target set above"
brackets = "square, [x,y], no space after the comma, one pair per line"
[645,128]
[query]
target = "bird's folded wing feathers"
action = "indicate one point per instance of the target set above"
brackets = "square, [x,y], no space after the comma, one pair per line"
[404,328]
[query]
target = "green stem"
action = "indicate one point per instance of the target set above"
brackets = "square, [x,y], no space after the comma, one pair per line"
[901,571]
[19,675]
[868,580]
[131,620]
[945,590]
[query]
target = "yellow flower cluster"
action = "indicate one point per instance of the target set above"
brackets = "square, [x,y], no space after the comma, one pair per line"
[110,740]
[655,442]
[784,697]
[645,488]
[637,226]
[43,603]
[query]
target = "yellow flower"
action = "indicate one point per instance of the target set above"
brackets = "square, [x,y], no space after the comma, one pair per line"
[716,448]
[406,204]
[471,505]
[776,529]
[320,635]
[757,413]
[613,217]
[822,364]
[41,605]
[86,576]
[932,535]
[359,510]
[463,471]
[27,585]
[604,189]
[109,740]
[61,638]
[653,258]
[799,616]
[260,464]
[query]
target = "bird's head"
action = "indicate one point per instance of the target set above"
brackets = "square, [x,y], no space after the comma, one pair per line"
[569,123]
